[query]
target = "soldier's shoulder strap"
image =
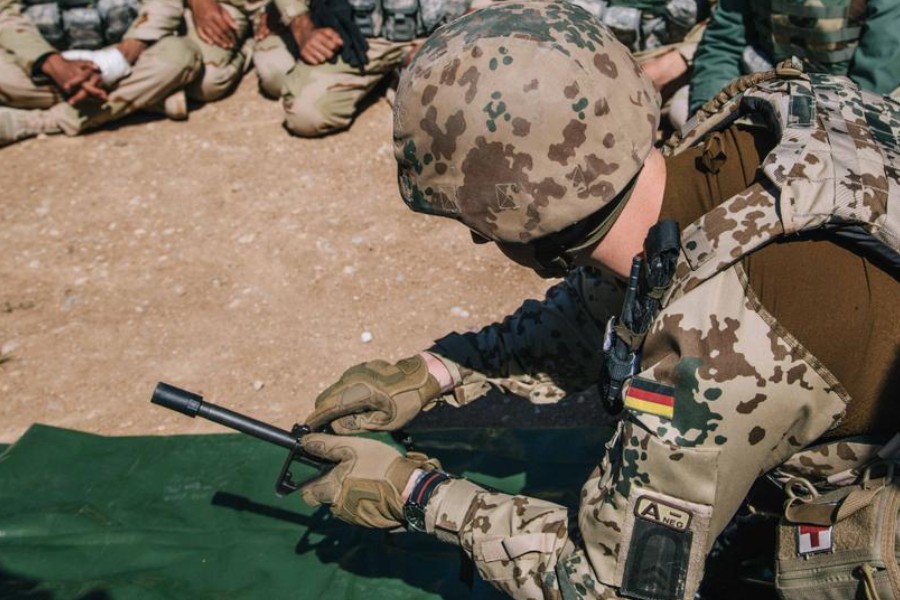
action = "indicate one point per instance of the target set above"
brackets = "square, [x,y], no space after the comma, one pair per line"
[723,108]
[836,169]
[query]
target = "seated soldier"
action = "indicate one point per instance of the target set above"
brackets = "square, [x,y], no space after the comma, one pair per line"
[760,316]
[322,73]
[222,31]
[44,90]
[858,39]
[662,35]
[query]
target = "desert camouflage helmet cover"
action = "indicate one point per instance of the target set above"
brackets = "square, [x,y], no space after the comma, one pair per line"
[521,119]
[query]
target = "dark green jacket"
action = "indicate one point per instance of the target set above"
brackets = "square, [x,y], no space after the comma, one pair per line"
[874,65]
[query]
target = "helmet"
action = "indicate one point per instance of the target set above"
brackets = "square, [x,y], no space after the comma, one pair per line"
[521,120]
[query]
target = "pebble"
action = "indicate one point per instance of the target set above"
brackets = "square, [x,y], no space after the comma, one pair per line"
[459,312]
[366,337]
[258,385]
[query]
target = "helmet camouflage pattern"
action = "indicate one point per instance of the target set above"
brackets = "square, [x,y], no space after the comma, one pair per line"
[521,119]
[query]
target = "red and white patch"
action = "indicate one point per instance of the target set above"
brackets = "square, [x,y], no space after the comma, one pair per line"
[812,538]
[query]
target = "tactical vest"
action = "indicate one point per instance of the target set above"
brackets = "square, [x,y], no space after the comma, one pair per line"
[836,167]
[701,423]
[824,33]
[82,24]
[647,24]
[404,20]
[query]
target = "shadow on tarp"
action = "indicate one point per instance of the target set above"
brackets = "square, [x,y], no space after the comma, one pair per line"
[88,517]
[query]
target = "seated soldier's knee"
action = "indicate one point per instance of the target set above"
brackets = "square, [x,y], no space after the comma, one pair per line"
[271,79]
[178,60]
[313,119]
[213,84]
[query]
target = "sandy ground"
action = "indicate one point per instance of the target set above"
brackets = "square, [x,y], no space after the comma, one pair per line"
[224,256]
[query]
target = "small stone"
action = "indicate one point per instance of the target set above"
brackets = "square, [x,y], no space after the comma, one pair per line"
[247,238]
[459,312]
[258,385]
[366,337]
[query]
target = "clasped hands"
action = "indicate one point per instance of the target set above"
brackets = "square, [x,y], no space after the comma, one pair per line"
[81,80]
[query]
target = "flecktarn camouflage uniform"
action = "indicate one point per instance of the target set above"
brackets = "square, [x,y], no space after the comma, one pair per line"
[165,67]
[724,393]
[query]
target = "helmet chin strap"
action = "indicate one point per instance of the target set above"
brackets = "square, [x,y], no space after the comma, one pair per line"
[555,255]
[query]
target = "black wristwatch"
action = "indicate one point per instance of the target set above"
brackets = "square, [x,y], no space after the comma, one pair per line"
[414,509]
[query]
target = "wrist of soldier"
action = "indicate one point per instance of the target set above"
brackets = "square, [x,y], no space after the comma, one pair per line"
[439,371]
[411,484]
[45,64]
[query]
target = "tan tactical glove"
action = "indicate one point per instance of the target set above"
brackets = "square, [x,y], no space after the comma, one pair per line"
[366,486]
[376,396]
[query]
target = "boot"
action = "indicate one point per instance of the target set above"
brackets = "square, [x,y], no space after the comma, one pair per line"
[174,106]
[17,124]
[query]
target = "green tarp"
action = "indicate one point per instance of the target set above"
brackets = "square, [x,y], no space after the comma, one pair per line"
[93,518]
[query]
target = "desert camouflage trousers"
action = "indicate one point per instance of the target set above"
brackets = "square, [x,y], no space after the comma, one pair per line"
[322,99]
[222,68]
[162,69]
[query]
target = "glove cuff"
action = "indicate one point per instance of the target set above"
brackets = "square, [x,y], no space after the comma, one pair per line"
[427,386]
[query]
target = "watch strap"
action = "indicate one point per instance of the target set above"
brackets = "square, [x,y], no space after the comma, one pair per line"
[414,509]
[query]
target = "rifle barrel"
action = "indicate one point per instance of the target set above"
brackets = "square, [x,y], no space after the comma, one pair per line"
[193,405]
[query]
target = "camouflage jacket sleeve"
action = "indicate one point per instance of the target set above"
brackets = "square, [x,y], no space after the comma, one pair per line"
[19,36]
[718,57]
[876,61]
[515,542]
[156,20]
[543,351]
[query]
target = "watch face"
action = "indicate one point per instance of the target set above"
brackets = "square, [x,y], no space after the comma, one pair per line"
[415,517]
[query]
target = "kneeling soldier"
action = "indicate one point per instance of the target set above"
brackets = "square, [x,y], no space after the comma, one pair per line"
[759,323]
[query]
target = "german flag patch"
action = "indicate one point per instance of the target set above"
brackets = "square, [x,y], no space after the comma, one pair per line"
[650,397]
